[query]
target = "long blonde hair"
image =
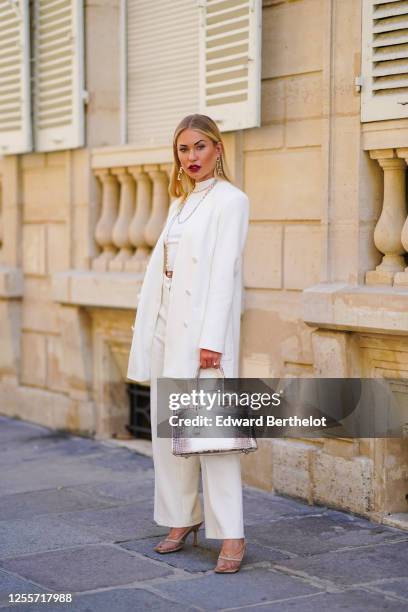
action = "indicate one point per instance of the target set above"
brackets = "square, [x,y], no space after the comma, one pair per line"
[205,125]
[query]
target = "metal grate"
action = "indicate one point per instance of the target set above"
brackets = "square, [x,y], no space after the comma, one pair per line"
[139,403]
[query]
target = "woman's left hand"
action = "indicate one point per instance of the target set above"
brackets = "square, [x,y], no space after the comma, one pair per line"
[209,359]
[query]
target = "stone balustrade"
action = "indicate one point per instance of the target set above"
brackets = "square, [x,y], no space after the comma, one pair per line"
[133,206]
[391,231]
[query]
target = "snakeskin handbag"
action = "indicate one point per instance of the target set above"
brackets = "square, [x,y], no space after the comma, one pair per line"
[189,440]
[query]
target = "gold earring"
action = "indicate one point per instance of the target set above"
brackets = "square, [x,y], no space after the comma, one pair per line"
[218,167]
[180,174]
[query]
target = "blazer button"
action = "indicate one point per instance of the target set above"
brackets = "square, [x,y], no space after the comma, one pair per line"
[185,323]
[188,291]
[133,328]
[195,259]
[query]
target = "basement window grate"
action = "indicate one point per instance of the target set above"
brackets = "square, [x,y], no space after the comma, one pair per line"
[139,403]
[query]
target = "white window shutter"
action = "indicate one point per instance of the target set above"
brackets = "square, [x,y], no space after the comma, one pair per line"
[230,62]
[15,107]
[58,96]
[162,68]
[384,60]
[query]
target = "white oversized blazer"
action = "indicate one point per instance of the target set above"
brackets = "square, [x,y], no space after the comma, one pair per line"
[206,291]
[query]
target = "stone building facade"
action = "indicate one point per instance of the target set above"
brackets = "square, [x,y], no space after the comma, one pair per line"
[326,291]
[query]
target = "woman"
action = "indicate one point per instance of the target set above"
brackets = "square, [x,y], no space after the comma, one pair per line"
[189,314]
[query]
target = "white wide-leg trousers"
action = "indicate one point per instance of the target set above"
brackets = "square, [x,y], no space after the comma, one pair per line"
[176,498]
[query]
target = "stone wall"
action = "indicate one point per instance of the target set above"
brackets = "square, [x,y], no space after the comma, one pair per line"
[69,279]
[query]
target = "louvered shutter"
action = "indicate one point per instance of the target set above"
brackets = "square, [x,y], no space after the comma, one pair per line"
[15,107]
[230,62]
[58,95]
[162,68]
[384,60]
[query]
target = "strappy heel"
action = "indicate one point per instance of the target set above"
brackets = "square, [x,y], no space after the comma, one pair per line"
[233,568]
[179,542]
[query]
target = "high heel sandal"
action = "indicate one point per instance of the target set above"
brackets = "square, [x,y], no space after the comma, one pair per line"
[179,542]
[233,568]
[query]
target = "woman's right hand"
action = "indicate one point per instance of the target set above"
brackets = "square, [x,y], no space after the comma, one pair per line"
[209,359]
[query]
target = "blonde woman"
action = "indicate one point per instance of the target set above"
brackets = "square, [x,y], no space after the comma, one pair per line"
[188,314]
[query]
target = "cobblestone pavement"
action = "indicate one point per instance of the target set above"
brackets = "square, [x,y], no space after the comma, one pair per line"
[76,517]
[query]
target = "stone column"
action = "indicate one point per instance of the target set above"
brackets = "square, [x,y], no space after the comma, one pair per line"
[104,227]
[387,233]
[401,278]
[138,262]
[160,204]
[120,232]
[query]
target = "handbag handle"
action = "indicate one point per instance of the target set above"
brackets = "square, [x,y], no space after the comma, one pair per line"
[220,368]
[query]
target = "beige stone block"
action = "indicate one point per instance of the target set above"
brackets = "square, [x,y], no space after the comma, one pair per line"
[48,408]
[303,96]
[10,326]
[32,160]
[263,256]
[381,277]
[45,194]
[284,185]
[304,133]
[76,362]
[84,247]
[82,176]
[344,251]
[11,281]
[287,303]
[55,354]
[292,38]
[377,135]
[40,313]
[272,333]
[356,308]
[34,249]
[395,473]
[331,354]
[296,346]
[58,248]
[102,58]
[256,365]
[344,483]
[272,101]
[61,287]
[302,256]
[347,58]
[257,467]
[347,449]
[346,172]
[56,158]
[264,138]
[291,468]
[400,279]
[34,359]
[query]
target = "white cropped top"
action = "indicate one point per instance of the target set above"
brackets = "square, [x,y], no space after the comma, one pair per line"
[176,228]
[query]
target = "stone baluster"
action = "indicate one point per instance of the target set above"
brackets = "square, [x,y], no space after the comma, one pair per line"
[104,227]
[401,278]
[160,204]
[120,234]
[138,262]
[387,233]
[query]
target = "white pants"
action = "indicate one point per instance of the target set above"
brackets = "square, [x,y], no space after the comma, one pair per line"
[176,499]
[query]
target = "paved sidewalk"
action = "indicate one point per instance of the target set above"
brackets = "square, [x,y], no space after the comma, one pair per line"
[76,517]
